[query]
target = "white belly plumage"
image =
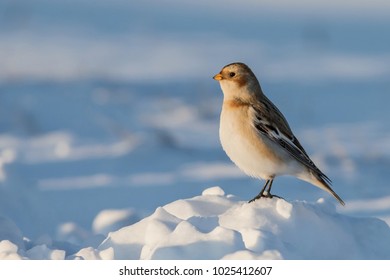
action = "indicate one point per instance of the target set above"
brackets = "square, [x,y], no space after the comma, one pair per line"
[250,153]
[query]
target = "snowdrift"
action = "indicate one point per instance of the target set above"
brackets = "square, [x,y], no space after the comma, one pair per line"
[219,226]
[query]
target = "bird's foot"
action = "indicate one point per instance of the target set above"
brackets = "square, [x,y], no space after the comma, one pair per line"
[265,195]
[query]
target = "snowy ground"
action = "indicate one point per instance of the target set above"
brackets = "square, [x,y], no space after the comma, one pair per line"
[109,116]
[219,226]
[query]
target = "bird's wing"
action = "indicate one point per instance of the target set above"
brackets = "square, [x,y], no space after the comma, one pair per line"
[266,116]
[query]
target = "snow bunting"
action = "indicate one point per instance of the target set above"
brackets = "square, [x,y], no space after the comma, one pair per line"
[256,136]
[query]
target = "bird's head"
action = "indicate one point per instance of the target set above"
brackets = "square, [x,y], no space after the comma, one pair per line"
[238,81]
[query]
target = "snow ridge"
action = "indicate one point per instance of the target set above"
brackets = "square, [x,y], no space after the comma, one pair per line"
[219,226]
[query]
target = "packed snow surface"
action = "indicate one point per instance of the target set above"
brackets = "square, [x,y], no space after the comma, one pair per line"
[219,226]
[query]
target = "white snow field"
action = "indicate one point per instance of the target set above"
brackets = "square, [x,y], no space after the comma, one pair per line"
[109,119]
[219,226]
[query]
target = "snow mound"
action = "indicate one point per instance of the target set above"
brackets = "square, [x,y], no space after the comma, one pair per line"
[113,219]
[219,226]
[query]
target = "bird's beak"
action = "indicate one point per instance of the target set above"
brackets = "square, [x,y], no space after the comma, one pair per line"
[218,77]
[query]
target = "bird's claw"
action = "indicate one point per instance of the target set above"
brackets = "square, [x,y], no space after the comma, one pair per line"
[265,195]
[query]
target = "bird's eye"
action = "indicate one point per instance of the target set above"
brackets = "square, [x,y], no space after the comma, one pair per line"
[232,74]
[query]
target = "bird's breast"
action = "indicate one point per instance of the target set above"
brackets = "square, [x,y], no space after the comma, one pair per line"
[250,152]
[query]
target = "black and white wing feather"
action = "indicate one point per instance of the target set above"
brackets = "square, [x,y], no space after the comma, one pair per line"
[282,135]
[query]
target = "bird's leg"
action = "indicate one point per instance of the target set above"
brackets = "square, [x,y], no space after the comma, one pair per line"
[268,191]
[261,193]
[265,191]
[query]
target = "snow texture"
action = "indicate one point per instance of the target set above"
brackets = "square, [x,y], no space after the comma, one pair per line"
[218,226]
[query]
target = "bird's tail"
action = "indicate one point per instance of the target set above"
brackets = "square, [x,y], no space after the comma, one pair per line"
[322,181]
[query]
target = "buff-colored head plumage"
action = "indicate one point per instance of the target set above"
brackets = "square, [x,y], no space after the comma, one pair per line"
[237,80]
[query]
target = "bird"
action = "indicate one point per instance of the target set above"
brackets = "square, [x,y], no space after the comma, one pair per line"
[256,136]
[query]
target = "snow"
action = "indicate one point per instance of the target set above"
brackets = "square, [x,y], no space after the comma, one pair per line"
[113,219]
[109,117]
[219,226]
[9,251]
